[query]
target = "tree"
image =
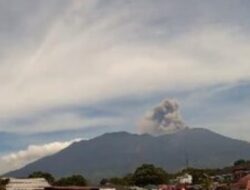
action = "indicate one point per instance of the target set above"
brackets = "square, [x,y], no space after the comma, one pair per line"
[104,181]
[206,183]
[77,180]
[239,162]
[45,175]
[129,179]
[149,174]
[117,181]
[198,175]
[120,181]
[3,183]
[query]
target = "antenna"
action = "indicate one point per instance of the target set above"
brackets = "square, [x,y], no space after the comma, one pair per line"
[187,159]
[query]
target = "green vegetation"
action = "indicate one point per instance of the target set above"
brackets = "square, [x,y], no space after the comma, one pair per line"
[74,180]
[240,162]
[206,182]
[199,175]
[3,183]
[146,174]
[149,174]
[143,175]
[45,175]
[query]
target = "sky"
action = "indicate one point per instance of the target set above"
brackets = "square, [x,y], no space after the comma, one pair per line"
[76,69]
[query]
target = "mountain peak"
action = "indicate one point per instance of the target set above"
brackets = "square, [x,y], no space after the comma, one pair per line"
[118,153]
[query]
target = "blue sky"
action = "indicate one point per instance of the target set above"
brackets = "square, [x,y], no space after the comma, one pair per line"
[77,69]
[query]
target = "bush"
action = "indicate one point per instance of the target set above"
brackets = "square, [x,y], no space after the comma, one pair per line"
[74,180]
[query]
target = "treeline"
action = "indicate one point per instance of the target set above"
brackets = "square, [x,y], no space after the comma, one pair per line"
[241,162]
[144,175]
[74,180]
[149,174]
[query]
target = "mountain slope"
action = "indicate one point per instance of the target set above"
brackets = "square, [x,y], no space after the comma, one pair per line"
[119,153]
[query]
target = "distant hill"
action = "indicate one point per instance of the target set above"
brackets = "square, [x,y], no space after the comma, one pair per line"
[116,154]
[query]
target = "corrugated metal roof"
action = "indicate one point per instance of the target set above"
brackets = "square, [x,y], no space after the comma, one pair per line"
[27,184]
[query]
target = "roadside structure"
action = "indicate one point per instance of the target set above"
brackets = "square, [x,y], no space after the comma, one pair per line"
[185,179]
[243,183]
[27,184]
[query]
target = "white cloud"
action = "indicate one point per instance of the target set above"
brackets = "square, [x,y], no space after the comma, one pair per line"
[60,121]
[19,159]
[71,73]
[86,58]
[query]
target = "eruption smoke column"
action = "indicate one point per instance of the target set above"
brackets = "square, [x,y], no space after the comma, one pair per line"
[163,119]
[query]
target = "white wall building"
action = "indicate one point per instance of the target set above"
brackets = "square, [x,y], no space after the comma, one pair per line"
[185,179]
[27,184]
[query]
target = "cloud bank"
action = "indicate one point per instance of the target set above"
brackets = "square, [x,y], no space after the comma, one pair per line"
[63,54]
[85,59]
[21,158]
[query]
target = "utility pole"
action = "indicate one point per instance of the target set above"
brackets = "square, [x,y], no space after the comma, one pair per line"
[187,159]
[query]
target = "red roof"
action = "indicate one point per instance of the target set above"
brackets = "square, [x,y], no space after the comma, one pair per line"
[242,183]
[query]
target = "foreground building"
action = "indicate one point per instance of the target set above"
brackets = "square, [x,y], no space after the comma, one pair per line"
[242,184]
[185,179]
[27,184]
